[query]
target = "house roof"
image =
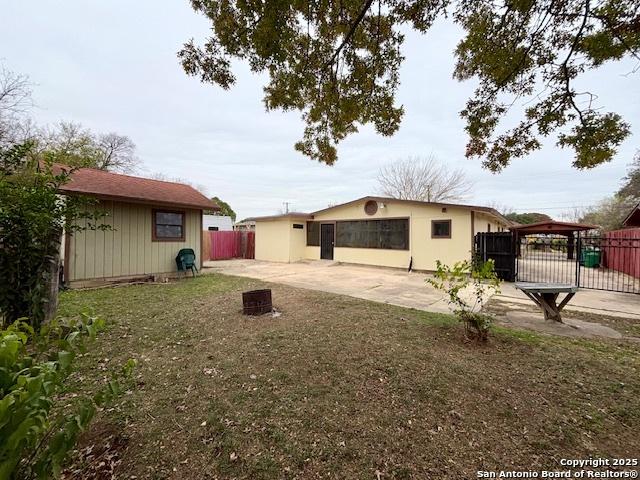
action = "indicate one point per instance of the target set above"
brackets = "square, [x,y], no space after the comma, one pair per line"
[310,216]
[116,186]
[476,208]
[633,219]
[552,227]
[291,215]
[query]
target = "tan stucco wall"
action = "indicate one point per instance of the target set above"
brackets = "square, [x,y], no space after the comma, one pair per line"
[482,221]
[276,240]
[297,240]
[424,249]
[127,249]
[372,256]
[272,240]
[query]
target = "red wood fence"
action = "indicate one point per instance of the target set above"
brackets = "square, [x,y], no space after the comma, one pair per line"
[622,251]
[226,245]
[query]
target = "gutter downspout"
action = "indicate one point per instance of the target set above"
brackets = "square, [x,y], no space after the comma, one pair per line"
[473,236]
[410,242]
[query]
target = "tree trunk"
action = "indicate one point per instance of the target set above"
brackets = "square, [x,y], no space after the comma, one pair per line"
[52,278]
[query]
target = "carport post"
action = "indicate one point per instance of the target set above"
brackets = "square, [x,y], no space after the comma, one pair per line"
[570,245]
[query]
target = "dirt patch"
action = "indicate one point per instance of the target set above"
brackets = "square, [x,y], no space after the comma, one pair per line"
[98,454]
[339,387]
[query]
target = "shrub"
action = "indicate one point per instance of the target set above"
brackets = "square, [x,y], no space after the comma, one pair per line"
[33,367]
[33,216]
[468,286]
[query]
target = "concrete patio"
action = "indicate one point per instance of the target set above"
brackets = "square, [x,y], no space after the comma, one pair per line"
[406,289]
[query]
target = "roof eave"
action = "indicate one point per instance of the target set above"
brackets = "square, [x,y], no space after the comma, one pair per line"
[141,201]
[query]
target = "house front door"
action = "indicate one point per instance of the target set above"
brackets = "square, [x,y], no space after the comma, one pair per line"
[326,241]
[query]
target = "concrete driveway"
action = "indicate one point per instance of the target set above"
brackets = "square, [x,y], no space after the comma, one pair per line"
[383,285]
[402,288]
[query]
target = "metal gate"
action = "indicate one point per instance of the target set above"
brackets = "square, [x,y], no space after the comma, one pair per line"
[501,248]
[608,261]
[599,262]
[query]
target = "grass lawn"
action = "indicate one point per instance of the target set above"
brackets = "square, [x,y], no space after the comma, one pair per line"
[338,387]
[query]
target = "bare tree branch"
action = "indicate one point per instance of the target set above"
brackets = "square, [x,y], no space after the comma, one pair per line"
[347,38]
[116,153]
[15,93]
[422,179]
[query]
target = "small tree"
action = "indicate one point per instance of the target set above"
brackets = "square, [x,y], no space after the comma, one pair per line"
[424,180]
[478,280]
[225,209]
[33,216]
[71,144]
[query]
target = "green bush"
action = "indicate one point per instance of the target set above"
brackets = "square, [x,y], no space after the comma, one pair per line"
[34,442]
[478,280]
[33,216]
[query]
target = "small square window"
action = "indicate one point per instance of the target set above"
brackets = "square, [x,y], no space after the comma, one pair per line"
[168,226]
[440,228]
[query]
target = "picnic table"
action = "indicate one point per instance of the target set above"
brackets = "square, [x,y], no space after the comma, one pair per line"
[545,295]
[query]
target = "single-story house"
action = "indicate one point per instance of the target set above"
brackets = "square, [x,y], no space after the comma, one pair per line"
[217,223]
[149,222]
[377,231]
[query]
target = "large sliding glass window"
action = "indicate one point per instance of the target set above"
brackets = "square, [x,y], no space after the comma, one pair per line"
[388,234]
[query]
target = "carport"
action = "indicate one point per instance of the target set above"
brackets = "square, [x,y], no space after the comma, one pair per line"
[553,227]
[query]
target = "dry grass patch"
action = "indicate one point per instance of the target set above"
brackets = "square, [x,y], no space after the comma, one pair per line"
[345,388]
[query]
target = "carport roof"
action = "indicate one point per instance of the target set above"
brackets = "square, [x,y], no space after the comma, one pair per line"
[552,227]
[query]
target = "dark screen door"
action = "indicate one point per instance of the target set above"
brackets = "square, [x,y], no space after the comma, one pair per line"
[326,241]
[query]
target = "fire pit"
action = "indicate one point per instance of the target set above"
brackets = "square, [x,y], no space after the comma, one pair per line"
[256,302]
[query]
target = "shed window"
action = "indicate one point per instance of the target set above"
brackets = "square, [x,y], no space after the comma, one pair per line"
[168,225]
[313,234]
[441,229]
[388,234]
[213,229]
[299,226]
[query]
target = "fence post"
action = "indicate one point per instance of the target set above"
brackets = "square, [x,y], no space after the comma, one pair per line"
[578,258]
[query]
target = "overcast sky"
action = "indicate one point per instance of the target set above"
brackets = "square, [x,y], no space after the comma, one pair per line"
[112,66]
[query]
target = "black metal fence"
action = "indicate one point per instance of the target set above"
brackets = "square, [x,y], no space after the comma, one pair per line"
[547,259]
[589,261]
[501,248]
[610,261]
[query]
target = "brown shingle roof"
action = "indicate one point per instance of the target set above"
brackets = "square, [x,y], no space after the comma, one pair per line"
[115,186]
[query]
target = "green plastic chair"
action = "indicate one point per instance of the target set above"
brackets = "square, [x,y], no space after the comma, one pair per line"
[186,260]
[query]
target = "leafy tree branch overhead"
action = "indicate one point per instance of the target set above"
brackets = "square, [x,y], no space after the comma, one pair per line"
[339,62]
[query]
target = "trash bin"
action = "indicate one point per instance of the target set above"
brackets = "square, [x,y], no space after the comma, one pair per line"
[591,258]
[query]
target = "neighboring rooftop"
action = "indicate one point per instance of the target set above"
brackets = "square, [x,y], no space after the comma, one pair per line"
[116,186]
[633,219]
